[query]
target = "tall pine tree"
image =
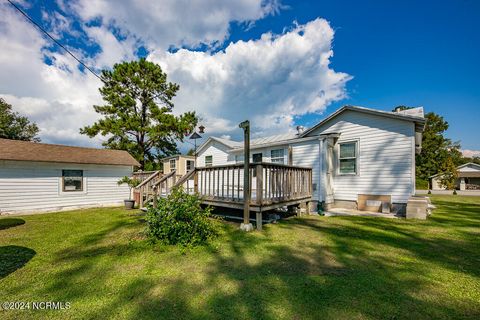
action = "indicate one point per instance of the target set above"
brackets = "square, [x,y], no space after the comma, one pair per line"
[137,114]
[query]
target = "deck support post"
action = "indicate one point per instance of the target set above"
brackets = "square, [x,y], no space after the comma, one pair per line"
[155,196]
[195,181]
[246,225]
[259,220]
[141,198]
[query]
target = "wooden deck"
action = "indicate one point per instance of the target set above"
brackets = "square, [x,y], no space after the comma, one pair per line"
[272,185]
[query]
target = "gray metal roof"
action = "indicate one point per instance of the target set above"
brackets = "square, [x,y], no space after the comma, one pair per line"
[279,138]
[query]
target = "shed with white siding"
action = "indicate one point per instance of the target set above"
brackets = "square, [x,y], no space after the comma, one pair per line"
[37,177]
[354,151]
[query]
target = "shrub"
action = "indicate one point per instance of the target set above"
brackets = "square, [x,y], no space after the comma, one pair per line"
[180,219]
[421,184]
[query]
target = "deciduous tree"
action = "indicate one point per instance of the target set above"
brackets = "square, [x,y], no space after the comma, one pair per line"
[15,126]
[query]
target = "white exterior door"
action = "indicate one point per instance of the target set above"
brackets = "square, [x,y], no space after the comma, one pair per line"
[329,172]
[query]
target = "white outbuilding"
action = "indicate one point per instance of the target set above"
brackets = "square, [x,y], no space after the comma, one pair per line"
[38,177]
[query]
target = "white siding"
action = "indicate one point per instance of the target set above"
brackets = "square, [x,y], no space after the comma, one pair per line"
[218,151]
[37,186]
[385,159]
[266,153]
[307,154]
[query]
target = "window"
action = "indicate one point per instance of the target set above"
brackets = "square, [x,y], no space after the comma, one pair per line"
[72,180]
[277,156]
[190,165]
[208,161]
[257,157]
[172,165]
[238,158]
[348,158]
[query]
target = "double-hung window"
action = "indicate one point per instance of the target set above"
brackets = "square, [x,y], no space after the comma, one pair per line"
[277,156]
[72,180]
[348,158]
[190,165]
[173,164]
[208,161]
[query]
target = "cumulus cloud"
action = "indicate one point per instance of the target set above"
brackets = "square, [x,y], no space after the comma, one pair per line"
[57,96]
[471,153]
[174,22]
[269,81]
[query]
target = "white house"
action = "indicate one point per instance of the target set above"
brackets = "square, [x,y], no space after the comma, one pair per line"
[354,151]
[37,177]
[468,178]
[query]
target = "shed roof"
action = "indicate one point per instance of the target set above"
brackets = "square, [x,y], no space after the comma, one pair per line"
[33,151]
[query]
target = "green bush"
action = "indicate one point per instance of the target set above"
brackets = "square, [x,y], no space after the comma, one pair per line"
[421,184]
[180,219]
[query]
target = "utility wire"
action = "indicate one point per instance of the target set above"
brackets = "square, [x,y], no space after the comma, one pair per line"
[54,40]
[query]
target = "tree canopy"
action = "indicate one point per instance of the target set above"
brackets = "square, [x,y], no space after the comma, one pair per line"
[137,114]
[15,126]
[439,154]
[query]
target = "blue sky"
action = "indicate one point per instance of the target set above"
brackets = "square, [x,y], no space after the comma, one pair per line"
[385,53]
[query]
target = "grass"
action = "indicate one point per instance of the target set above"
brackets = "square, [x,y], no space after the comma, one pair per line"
[302,268]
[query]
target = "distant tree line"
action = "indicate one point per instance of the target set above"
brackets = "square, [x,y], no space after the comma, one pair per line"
[439,154]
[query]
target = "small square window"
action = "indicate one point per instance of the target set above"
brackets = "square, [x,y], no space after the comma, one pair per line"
[72,180]
[257,157]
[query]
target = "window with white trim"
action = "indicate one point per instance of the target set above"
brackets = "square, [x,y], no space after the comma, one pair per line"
[72,180]
[277,156]
[208,161]
[190,165]
[239,158]
[257,157]
[347,158]
[173,165]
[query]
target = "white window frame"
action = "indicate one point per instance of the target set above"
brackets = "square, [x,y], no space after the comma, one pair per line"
[239,158]
[209,163]
[186,164]
[82,185]
[174,167]
[257,153]
[357,167]
[272,158]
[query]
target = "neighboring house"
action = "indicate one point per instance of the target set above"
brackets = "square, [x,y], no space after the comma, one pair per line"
[46,177]
[181,163]
[354,151]
[468,178]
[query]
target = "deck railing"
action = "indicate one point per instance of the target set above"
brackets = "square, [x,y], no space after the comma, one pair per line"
[270,183]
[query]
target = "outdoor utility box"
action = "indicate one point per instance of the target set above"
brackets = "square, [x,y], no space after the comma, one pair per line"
[374,202]
[417,208]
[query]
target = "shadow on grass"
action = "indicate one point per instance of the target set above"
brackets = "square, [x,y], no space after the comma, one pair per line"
[326,270]
[13,258]
[10,222]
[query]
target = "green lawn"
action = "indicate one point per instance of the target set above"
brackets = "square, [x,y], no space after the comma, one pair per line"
[302,268]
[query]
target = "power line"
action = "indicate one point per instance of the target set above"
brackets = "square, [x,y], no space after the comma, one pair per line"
[54,40]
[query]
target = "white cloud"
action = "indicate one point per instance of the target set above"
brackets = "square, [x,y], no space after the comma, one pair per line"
[269,81]
[161,24]
[58,97]
[471,153]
